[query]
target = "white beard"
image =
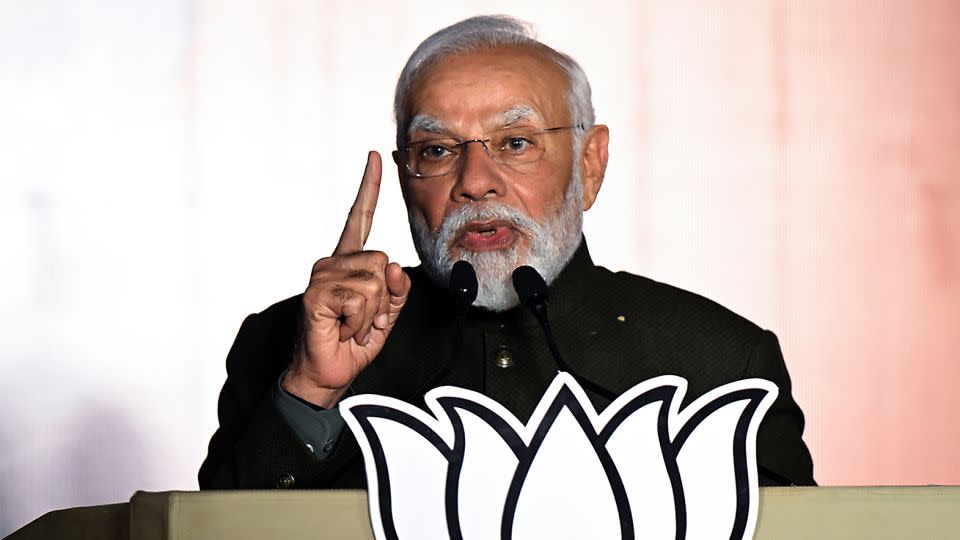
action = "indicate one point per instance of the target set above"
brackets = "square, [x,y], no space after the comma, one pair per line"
[550,245]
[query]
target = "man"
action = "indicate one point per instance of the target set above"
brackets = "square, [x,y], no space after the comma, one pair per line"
[498,157]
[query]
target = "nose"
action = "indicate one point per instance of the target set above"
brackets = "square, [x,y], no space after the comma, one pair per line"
[479,176]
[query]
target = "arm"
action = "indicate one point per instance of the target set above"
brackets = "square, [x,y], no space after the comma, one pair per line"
[317,428]
[254,447]
[332,332]
[780,446]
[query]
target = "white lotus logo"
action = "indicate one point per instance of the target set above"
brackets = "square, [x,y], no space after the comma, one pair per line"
[640,469]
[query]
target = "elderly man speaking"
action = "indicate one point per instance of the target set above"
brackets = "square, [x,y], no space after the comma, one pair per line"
[498,157]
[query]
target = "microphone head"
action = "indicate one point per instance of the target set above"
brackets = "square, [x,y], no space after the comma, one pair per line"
[530,286]
[463,285]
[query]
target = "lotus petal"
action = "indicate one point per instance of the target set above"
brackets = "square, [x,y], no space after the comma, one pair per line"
[636,436]
[641,469]
[410,463]
[486,445]
[566,446]
[720,495]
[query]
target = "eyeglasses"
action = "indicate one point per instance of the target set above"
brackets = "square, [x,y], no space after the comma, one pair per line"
[518,148]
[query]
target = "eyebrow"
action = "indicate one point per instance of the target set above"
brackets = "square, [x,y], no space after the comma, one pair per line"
[518,113]
[425,122]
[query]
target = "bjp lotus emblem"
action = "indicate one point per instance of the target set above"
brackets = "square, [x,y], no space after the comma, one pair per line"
[640,469]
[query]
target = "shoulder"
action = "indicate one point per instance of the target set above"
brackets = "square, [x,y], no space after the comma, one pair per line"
[666,317]
[266,339]
[284,310]
[661,303]
[280,321]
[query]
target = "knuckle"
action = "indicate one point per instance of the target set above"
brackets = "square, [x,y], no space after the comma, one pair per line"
[320,264]
[373,289]
[313,298]
[313,310]
[361,274]
[316,314]
[349,300]
[340,292]
[379,290]
[379,258]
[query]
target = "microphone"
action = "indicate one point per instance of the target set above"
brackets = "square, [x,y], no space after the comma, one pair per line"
[533,293]
[463,286]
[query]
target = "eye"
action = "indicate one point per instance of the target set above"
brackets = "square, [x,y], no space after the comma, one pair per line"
[517,144]
[434,151]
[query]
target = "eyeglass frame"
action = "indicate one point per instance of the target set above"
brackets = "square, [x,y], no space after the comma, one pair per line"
[400,155]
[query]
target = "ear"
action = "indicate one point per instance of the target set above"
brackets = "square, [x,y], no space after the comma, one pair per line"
[593,162]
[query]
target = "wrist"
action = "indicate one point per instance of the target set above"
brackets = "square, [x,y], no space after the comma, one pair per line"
[297,383]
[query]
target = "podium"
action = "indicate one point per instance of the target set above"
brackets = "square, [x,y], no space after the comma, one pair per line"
[785,514]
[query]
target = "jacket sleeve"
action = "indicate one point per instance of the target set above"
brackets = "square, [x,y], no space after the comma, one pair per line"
[782,456]
[317,428]
[254,447]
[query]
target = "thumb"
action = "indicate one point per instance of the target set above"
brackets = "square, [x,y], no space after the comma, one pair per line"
[398,287]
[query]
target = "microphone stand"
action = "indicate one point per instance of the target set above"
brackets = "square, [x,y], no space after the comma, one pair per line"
[532,291]
[464,288]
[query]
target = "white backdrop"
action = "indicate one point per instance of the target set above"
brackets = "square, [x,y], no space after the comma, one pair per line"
[168,167]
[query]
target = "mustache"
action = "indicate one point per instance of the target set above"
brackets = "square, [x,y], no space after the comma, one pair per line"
[453,225]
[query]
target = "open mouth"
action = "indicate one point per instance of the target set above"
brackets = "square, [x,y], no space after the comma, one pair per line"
[487,235]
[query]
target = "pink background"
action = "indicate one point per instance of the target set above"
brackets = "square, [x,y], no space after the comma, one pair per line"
[169,167]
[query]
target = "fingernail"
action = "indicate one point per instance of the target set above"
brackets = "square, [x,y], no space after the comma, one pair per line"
[381,321]
[366,340]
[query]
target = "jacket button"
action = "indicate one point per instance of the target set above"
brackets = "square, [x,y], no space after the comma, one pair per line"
[285,481]
[503,357]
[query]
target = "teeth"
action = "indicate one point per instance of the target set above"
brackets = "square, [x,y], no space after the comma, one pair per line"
[488,232]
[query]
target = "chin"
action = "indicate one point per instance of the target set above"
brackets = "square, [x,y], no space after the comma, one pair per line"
[495,276]
[546,246]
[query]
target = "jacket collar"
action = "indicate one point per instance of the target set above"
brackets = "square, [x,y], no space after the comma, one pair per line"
[566,295]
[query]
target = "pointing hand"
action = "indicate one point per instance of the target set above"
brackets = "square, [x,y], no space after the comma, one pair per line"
[350,306]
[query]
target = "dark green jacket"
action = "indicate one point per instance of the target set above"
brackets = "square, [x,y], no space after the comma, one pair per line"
[614,329]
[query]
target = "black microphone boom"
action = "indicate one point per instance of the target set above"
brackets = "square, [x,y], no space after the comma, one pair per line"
[533,293]
[463,288]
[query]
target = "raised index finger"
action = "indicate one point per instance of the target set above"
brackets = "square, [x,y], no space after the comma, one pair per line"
[357,228]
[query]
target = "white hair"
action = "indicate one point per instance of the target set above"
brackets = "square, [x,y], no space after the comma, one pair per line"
[552,242]
[487,31]
[551,245]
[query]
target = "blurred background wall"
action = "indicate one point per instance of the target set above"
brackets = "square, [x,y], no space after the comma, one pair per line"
[168,167]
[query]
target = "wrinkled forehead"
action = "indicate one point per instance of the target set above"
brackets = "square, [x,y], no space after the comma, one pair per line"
[487,89]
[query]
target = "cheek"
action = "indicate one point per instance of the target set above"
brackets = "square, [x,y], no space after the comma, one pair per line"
[430,202]
[542,196]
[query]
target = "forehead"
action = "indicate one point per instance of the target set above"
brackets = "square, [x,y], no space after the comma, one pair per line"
[469,91]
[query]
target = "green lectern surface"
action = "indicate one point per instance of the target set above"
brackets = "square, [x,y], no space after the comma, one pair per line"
[875,513]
